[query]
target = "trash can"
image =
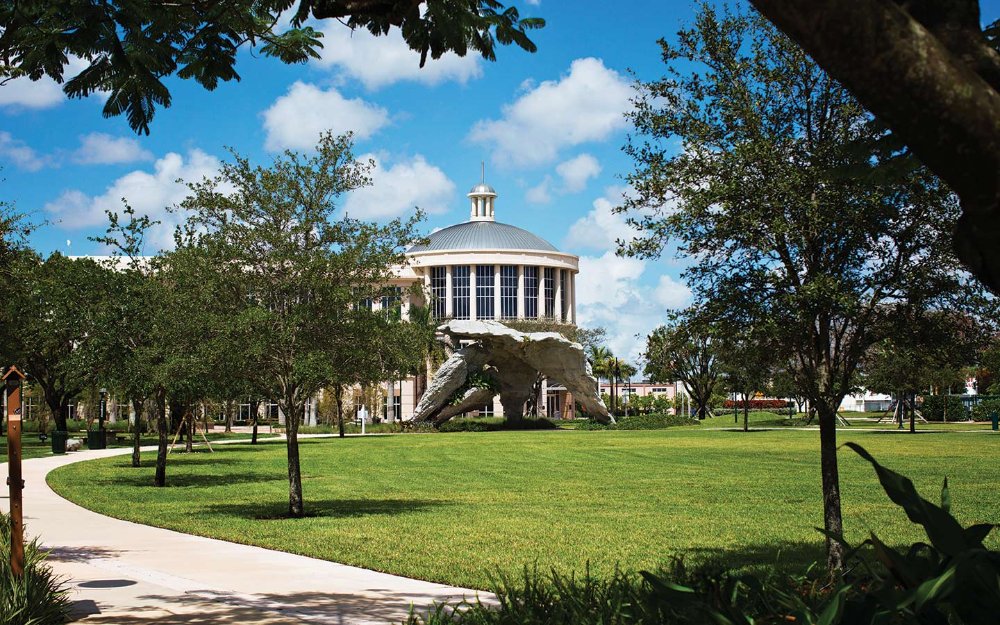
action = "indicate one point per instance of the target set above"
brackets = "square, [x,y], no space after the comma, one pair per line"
[59,441]
[996,421]
[95,439]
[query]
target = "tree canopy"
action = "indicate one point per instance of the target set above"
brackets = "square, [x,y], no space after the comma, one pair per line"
[294,281]
[684,349]
[131,47]
[792,204]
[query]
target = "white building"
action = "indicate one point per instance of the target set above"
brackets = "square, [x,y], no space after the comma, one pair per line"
[485,269]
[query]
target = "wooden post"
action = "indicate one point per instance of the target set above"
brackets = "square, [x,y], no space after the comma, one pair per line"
[12,380]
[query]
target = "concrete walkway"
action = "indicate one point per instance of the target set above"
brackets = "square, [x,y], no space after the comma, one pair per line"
[122,572]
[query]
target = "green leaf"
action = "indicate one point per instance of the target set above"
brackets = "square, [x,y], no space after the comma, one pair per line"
[833,611]
[894,562]
[942,529]
[976,534]
[935,588]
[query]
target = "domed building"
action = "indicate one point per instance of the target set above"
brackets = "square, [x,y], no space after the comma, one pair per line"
[485,269]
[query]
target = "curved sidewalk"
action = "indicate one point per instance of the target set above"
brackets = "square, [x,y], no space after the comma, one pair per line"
[123,572]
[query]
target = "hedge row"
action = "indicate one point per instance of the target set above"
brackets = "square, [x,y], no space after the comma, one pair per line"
[640,422]
[757,404]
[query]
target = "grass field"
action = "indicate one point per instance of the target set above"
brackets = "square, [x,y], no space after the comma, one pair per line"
[458,507]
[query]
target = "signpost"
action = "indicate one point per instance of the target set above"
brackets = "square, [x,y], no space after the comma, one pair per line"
[12,381]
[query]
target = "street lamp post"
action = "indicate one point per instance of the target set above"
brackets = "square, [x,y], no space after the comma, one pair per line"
[103,411]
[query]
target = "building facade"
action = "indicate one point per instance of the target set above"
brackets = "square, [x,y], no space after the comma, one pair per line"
[487,270]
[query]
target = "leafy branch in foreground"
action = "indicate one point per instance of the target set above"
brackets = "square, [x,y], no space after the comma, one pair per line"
[36,598]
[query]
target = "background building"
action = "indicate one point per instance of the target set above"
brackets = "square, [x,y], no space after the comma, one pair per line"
[485,269]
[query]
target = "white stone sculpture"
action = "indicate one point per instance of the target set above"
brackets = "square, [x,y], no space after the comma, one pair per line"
[511,361]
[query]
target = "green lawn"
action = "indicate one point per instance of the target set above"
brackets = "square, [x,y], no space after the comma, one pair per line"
[457,507]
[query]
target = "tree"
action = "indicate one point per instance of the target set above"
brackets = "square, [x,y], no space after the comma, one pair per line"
[931,72]
[791,205]
[125,336]
[746,360]
[296,275]
[131,48]
[600,357]
[685,350]
[55,317]
[923,349]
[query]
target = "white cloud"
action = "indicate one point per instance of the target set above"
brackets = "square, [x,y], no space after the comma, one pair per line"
[577,171]
[573,175]
[33,94]
[296,119]
[20,153]
[611,294]
[98,148]
[620,294]
[39,94]
[607,280]
[398,188]
[671,293]
[600,229]
[148,192]
[587,104]
[540,193]
[384,60]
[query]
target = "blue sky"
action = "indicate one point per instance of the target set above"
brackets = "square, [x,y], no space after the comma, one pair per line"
[549,126]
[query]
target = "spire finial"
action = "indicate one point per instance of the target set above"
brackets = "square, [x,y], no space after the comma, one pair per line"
[483,165]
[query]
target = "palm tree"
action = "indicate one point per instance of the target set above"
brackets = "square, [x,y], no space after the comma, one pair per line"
[600,363]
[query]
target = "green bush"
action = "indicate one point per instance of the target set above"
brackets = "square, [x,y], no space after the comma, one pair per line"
[36,598]
[639,422]
[653,422]
[951,579]
[983,411]
[935,408]
[495,424]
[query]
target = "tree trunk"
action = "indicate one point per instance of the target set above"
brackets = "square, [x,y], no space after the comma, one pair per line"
[833,522]
[162,427]
[136,432]
[189,429]
[338,395]
[292,416]
[913,412]
[58,409]
[229,416]
[254,407]
[746,413]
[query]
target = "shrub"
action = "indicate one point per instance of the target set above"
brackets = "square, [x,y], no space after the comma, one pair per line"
[758,404]
[983,411]
[935,407]
[36,598]
[495,425]
[653,422]
[639,422]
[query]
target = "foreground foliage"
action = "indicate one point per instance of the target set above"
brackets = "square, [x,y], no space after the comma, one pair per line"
[951,579]
[130,49]
[36,598]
